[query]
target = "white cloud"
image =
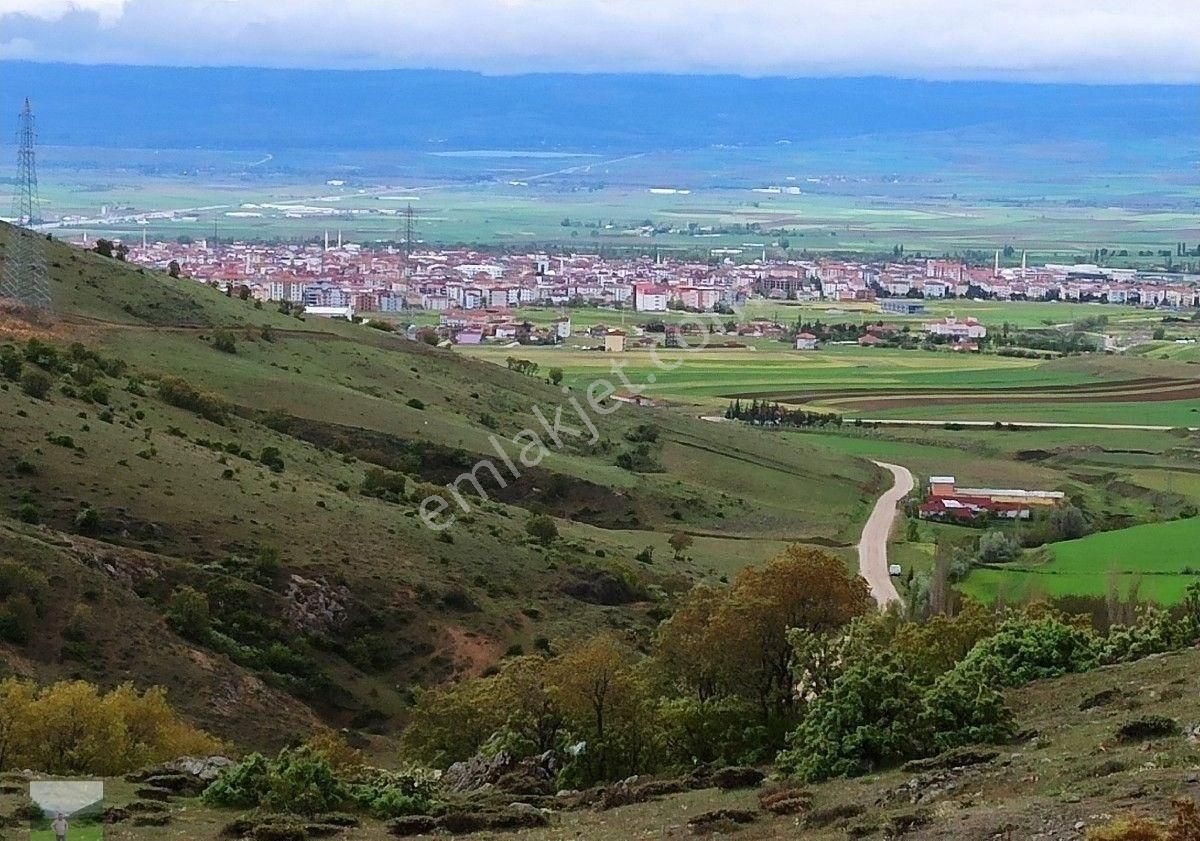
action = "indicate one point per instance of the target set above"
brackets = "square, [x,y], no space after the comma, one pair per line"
[108,11]
[1070,40]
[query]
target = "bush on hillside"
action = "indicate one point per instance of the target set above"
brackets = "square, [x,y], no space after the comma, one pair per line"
[36,383]
[272,459]
[178,392]
[10,363]
[303,781]
[189,613]
[1023,650]
[23,591]
[542,529]
[223,341]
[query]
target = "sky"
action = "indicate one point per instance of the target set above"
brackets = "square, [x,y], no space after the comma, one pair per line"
[1093,41]
[66,796]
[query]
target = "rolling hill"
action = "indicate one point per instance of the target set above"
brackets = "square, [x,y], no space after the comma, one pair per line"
[223,499]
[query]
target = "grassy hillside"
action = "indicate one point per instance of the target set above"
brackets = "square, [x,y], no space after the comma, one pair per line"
[328,596]
[1067,772]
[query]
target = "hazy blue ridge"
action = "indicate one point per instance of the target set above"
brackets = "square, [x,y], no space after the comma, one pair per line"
[240,108]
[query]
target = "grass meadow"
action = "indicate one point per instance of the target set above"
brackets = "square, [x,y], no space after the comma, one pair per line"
[1158,559]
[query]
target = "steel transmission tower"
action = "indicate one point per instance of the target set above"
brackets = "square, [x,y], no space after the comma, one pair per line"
[409,230]
[23,277]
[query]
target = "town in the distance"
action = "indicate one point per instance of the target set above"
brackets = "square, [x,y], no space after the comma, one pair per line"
[474,294]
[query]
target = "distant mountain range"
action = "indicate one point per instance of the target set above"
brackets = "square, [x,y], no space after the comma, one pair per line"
[240,108]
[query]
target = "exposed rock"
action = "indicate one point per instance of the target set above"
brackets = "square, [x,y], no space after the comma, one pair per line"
[737,776]
[115,814]
[623,794]
[202,769]
[534,775]
[721,820]
[466,820]
[953,759]
[412,825]
[315,606]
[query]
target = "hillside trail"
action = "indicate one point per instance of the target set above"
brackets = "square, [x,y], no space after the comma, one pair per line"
[872,547]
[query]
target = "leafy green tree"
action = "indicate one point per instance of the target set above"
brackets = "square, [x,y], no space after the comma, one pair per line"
[996,547]
[868,719]
[964,707]
[1025,649]
[189,613]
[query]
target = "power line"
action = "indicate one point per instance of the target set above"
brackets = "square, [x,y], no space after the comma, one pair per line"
[23,278]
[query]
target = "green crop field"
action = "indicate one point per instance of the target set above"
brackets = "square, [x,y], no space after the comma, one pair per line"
[891,384]
[1159,559]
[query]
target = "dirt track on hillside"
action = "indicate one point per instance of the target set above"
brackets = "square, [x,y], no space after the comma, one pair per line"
[872,548]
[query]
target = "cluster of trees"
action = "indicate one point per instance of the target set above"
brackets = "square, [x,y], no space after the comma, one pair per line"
[842,332]
[522,366]
[73,728]
[1058,341]
[714,686]
[790,663]
[766,413]
[37,365]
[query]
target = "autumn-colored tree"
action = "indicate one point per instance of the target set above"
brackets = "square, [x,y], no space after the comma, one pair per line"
[800,588]
[71,728]
[152,730]
[72,733]
[606,702]
[686,644]
[935,646]
[449,723]
[680,542]
[522,690]
[330,745]
[16,700]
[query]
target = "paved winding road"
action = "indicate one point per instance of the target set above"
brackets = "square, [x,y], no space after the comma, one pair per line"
[872,548]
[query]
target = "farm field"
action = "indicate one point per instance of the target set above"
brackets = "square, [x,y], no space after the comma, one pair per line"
[874,383]
[1119,477]
[994,314]
[868,194]
[1158,559]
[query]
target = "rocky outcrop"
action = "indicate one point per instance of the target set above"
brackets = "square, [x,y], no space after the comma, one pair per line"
[315,606]
[534,775]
